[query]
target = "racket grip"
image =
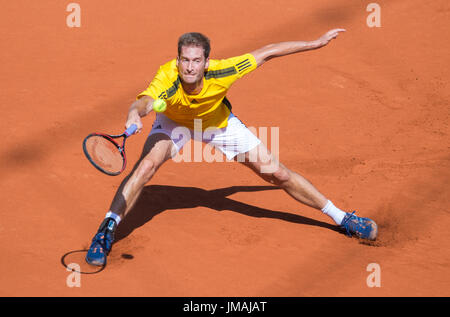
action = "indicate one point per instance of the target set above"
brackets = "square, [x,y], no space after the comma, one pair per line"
[131,130]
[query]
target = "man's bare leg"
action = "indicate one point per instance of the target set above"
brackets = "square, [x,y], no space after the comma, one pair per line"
[157,149]
[264,164]
[272,171]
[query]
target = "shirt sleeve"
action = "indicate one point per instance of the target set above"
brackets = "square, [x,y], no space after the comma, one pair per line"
[227,71]
[244,64]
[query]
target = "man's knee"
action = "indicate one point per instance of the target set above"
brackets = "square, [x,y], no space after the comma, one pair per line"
[280,176]
[146,169]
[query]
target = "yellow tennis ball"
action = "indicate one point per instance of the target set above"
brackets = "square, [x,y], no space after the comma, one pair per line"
[159,105]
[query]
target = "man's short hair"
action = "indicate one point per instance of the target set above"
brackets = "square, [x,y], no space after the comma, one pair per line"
[194,39]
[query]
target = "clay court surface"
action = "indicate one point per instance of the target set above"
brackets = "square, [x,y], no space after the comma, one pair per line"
[365,119]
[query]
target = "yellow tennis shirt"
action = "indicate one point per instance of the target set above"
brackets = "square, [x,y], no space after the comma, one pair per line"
[209,105]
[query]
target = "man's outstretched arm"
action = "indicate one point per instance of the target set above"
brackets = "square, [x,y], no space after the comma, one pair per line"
[139,108]
[270,51]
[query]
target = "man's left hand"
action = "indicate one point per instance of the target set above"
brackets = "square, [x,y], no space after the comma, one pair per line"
[332,34]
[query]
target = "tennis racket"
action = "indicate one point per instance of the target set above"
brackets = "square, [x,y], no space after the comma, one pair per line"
[105,153]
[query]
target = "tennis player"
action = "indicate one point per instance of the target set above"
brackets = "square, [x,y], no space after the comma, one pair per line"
[194,88]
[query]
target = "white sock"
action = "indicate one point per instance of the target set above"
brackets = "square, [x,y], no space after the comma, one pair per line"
[335,213]
[115,216]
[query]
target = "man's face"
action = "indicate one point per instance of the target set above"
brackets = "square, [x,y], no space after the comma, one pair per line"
[192,64]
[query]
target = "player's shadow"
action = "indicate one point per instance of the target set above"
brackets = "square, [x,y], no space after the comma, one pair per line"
[158,198]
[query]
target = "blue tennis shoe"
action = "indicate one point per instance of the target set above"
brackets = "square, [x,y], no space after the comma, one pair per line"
[363,228]
[101,243]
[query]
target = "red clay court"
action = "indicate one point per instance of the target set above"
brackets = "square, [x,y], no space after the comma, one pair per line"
[365,119]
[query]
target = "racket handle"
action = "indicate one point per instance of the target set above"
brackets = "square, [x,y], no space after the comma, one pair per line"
[131,129]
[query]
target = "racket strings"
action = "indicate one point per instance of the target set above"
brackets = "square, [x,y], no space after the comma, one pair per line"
[104,153]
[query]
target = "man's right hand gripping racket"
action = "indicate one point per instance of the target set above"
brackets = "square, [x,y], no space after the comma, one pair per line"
[105,153]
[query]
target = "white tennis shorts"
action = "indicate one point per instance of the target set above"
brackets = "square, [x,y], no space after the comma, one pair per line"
[232,140]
